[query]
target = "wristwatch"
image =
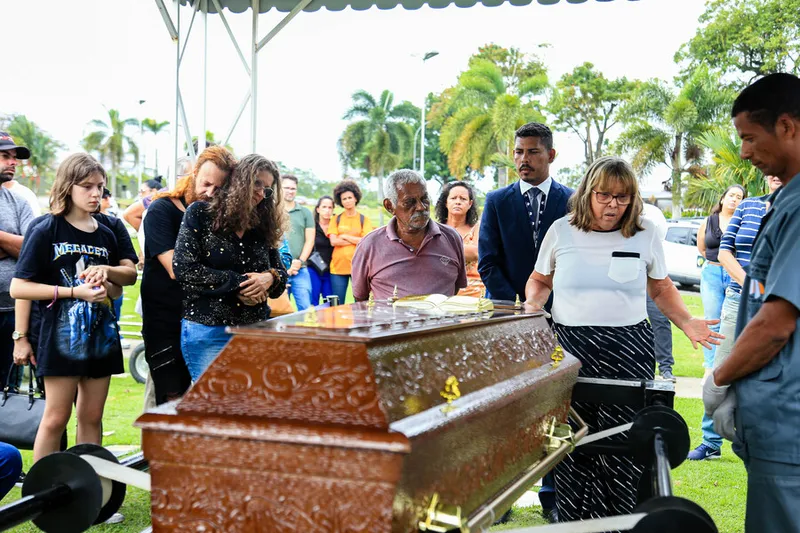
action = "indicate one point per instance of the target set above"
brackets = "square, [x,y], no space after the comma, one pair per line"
[17,335]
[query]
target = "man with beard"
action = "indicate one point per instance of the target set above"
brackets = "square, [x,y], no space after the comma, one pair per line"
[15,217]
[412,252]
[161,294]
[515,220]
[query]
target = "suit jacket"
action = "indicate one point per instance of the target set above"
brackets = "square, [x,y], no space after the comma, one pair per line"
[506,251]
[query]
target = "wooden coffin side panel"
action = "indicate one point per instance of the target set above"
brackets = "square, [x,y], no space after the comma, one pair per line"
[411,373]
[316,381]
[223,483]
[468,454]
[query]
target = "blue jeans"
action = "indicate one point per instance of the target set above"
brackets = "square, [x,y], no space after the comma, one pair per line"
[662,337]
[713,282]
[118,311]
[200,345]
[10,467]
[727,326]
[339,285]
[320,285]
[300,288]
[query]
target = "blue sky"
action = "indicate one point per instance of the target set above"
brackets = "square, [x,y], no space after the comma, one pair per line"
[75,58]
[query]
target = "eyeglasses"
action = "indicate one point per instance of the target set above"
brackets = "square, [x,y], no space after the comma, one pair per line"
[605,198]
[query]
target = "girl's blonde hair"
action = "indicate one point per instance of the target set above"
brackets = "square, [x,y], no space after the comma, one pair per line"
[72,171]
[601,176]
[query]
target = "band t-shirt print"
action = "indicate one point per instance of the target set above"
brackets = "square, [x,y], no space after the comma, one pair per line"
[76,338]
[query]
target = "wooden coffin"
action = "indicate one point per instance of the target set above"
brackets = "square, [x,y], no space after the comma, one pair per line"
[337,420]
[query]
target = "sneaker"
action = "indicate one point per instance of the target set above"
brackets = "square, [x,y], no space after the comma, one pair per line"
[116,518]
[703,452]
[667,375]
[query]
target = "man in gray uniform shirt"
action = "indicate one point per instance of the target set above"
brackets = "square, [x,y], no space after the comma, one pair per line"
[764,365]
[15,215]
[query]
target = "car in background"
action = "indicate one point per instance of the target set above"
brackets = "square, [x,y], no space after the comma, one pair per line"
[684,262]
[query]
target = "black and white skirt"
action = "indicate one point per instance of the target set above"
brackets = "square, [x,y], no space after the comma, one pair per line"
[596,486]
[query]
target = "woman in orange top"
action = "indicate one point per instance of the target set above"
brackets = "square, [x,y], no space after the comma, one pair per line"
[456,208]
[345,232]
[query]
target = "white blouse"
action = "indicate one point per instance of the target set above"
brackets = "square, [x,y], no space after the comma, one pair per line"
[600,278]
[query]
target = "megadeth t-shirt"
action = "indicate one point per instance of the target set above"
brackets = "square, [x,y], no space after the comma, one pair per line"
[76,338]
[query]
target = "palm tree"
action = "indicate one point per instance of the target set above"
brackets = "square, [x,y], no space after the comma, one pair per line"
[664,128]
[728,169]
[155,128]
[111,143]
[382,137]
[480,115]
[43,149]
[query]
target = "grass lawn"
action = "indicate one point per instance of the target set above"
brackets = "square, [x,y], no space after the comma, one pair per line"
[719,486]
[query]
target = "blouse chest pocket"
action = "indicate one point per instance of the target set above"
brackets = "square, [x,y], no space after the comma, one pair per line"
[624,266]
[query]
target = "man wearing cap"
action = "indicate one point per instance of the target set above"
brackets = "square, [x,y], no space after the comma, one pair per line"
[15,216]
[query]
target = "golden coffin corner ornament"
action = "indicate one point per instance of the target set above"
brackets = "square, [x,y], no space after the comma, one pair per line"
[557,356]
[450,392]
[558,434]
[441,518]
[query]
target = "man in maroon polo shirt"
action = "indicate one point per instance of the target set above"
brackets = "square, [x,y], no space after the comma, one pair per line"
[412,252]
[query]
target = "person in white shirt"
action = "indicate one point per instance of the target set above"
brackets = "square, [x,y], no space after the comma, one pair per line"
[600,262]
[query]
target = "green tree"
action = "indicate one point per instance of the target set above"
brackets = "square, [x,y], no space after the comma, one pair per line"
[154,127]
[586,103]
[478,117]
[746,38]
[728,169]
[112,144]
[381,136]
[663,127]
[40,167]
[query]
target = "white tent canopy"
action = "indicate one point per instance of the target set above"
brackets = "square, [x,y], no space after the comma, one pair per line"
[189,9]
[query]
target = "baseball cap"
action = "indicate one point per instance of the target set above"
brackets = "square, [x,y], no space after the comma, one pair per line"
[7,143]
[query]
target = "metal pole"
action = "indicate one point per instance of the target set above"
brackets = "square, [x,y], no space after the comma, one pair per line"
[174,175]
[30,507]
[254,78]
[205,73]
[141,148]
[422,137]
[662,479]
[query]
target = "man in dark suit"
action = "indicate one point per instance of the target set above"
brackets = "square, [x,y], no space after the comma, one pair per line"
[515,220]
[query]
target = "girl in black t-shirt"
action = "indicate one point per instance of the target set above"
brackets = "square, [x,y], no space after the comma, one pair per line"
[72,262]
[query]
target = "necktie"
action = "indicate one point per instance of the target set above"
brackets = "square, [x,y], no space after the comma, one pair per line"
[534,203]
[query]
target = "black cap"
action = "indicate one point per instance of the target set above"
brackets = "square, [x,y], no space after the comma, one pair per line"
[106,193]
[7,143]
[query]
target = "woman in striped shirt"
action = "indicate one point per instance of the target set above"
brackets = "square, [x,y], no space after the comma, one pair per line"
[734,256]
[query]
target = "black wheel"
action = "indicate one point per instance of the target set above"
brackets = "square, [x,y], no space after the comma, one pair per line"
[137,364]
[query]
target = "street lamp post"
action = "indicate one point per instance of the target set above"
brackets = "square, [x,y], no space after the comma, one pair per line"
[141,148]
[426,57]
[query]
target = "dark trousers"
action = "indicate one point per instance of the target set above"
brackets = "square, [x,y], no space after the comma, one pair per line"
[162,350]
[6,345]
[662,331]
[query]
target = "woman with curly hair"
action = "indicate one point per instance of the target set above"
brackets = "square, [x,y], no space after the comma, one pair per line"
[345,231]
[456,208]
[227,259]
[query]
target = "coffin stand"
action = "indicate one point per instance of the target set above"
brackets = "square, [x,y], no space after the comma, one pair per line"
[362,418]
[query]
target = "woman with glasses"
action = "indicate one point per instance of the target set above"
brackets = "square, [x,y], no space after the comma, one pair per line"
[600,262]
[227,260]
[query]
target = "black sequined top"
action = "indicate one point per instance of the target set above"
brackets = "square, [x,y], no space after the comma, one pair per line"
[210,266]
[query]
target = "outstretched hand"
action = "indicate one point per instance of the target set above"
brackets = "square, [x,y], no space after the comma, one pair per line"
[698,332]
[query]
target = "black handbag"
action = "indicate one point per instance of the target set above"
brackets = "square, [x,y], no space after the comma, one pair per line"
[20,413]
[316,262]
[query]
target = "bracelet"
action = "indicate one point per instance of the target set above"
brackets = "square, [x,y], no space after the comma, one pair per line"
[55,296]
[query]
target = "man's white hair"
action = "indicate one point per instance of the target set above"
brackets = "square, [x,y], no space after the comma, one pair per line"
[399,179]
